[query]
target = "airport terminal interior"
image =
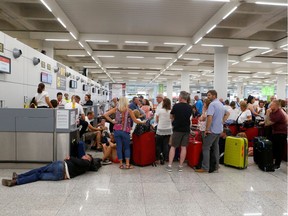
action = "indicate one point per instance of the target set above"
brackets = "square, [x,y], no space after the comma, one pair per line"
[110,48]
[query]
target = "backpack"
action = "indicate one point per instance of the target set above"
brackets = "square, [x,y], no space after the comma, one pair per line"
[142,128]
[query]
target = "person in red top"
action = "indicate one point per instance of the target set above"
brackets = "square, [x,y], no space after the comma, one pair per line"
[277,118]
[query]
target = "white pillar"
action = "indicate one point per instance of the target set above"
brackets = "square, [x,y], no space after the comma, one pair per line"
[240,90]
[281,87]
[169,89]
[48,47]
[221,71]
[185,81]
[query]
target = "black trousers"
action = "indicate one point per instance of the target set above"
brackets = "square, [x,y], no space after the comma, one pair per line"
[84,127]
[279,141]
[162,146]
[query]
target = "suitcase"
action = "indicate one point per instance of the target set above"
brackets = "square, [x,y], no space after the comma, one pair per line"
[196,134]
[194,150]
[236,152]
[233,128]
[263,154]
[144,149]
[251,133]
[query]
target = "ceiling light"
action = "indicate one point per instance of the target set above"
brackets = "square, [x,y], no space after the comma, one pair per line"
[280,72]
[246,58]
[264,73]
[93,58]
[211,45]
[46,5]
[281,63]
[230,12]
[272,3]
[138,57]
[256,62]
[211,29]
[235,63]
[59,20]
[73,35]
[80,44]
[55,39]
[254,47]
[231,60]
[151,73]
[115,72]
[266,52]
[256,76]
[136,42]
[242,71]
[133,67]
[192,59]
[88,53]
[98,41]
[284,45]
[177,44]
[133,73]
[285,49]
[132,80]
[189,48]
[111,67]
[155,68]
[76,55]
[105,56]
[198,40]
[89,66]
[176,69]
[163,58]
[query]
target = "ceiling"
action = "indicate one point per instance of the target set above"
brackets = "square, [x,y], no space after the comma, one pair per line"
[149,41]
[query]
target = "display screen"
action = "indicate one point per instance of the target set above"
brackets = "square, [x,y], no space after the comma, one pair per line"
[73,84]
[46,78]
[5,65]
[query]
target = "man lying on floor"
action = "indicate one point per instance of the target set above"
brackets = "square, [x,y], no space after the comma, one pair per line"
[55,171]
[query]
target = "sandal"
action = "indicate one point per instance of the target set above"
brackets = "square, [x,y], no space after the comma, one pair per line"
[129,166]
[121,166]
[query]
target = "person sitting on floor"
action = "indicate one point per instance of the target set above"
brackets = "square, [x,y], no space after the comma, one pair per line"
[109,151]
[55,171]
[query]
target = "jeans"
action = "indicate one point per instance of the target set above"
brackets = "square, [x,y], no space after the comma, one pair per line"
[122,139]
[210,141]
[51,172]
[162,146]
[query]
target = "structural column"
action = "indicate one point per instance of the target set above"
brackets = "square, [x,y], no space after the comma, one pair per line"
[281,87]
[185,81]
[169,89]
[48,47]
[240,90]
[221,71]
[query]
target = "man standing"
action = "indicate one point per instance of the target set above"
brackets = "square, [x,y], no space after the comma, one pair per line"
[60,101]
[198,104]
[180,115]
[216,115]
[159,99]
[277,118]
[88,101]
[135,105]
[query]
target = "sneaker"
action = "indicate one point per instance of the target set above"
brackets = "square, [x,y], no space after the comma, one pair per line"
[201,170]
[169,168]
[14,176]
[106,162]
[180,168]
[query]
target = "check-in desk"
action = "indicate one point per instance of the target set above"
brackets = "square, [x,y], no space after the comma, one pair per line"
[29,135]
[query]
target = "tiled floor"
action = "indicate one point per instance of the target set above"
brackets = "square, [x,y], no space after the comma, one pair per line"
[152,191]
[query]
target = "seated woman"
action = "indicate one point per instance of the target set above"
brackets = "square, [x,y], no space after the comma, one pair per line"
[245,113]
[109,151]
[195,113]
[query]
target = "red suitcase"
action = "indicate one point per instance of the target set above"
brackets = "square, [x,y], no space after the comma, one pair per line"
[251,133]
[196,134]
[144,149]
[234,129]
[194,150]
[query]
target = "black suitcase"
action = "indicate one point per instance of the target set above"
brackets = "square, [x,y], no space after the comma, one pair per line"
[263,154]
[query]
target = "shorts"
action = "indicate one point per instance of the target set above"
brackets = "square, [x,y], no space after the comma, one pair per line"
[90,136]
[180,139]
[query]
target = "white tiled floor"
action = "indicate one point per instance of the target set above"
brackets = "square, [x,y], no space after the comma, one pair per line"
[148,191]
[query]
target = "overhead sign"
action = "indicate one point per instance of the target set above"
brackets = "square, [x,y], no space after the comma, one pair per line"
[61,78]
[267,90]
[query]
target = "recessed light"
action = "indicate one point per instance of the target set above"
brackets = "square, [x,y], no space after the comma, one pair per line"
[255,47]
[192,59]
[163,58]
[211,29]
[133,67]
[73,35]
[133,73]
[256,62]
[230,12]
[55,39]
[198,40]
[76,55]
[136,42]
[138,57]
[272,3]
[114,72]
[105,56]
[59,20]
[281,63]
[46,5]
[176,69]
[98,41]
[212,45]
[177,44]
[266,52]
[80,44]
[151,73]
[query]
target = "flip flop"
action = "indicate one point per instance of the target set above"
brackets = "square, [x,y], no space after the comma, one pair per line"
[129,166]
[121,166]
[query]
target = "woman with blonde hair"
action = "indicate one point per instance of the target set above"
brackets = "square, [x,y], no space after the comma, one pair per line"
[122,128]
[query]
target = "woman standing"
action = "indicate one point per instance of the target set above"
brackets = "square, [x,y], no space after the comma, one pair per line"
[122,127]
[203,117]
[146,108]
[164,130]
[250,102]
[42,97]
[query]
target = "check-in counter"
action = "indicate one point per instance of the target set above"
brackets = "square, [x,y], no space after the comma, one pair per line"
[29,135]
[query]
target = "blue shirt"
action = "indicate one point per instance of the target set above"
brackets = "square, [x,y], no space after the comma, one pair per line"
[217,111]
[133,106]
[199,106]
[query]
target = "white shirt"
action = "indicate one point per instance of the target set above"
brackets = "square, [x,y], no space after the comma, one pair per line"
[164,121]
[234,113]
[41,98]
[77,106]
[159,106]
[243,116]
